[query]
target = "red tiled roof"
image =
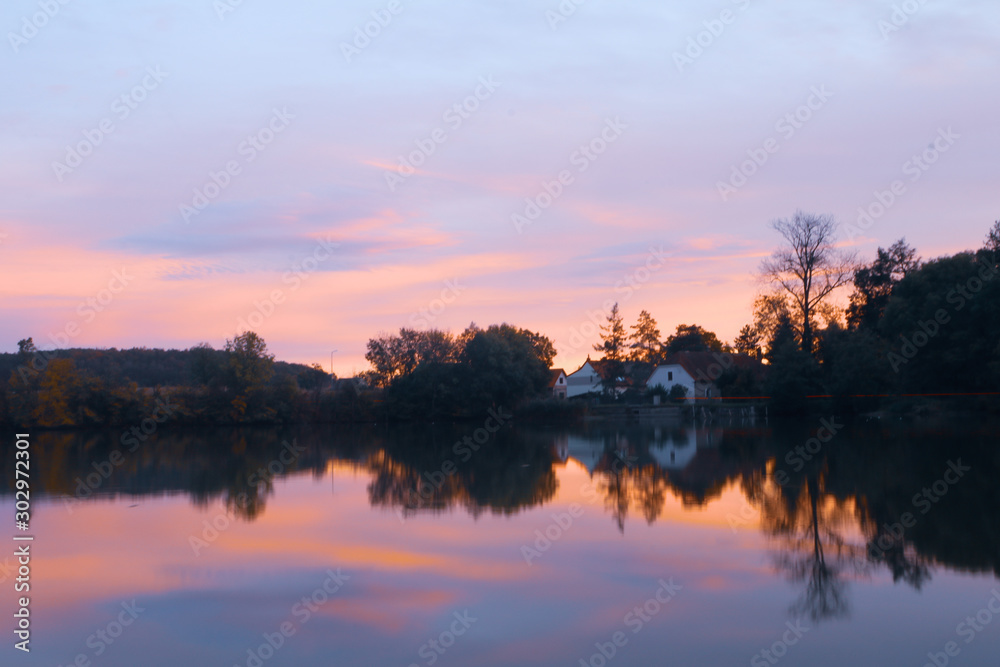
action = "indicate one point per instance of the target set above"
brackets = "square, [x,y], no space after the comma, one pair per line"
[603,367]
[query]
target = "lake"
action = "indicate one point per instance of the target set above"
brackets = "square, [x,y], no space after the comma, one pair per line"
[735,542]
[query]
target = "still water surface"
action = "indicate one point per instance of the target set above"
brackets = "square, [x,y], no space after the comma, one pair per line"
[733,543]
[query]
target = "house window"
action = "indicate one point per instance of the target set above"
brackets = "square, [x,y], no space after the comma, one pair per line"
[670,376]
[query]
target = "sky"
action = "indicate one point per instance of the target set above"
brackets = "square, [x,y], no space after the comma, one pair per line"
[178,172]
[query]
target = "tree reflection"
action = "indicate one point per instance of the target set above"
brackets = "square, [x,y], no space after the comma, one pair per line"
[503,476]
[616,483]
[651,489]
[842,515]
[636,466]
[836,519]
[901,559]
[808,528]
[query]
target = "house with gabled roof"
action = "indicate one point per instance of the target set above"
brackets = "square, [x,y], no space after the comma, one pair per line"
[595,375]
[695,371]
[584,380]
[557,382]
[699,371]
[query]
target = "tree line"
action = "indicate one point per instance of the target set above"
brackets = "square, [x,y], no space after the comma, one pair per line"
[908,327]
[434,374]
[241,383]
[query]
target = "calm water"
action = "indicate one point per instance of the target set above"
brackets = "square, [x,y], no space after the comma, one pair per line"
[648,544]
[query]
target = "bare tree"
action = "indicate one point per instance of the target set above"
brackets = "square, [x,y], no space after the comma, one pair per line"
[808,269]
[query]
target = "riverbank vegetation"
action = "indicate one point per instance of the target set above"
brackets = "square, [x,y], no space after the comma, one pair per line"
[908,330]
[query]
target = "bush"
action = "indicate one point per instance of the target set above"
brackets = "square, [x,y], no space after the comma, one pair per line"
[678,393]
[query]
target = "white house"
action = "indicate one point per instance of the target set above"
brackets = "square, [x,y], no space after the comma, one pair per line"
[583,380]
[691,370]
[557,383]
[667,375]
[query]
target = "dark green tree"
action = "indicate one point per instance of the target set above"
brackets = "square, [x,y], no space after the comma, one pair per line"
[21,396]
[613,344]
[942,324]
[506,365]
[693,338]
[991,248]
[313,378]
[207,366]
[748,342]
[613,337]
[645,340]
[26,348]
[392,356]
[873,284]
[250,364]
[792,374]
[855,369]
[770,310]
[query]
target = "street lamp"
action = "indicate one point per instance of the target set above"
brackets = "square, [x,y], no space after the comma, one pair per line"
[331,364]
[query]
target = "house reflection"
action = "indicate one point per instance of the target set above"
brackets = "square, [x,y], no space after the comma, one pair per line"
[670,449]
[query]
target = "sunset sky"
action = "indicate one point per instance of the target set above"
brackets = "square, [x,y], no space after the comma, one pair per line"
[349,191]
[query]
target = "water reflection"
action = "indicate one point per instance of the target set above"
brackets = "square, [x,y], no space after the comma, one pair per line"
[433,470]
[831,519]
[813,551]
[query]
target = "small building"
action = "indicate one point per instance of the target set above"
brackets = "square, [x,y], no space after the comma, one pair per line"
[584,380]
[695,371]
[595,376]
[557,383]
